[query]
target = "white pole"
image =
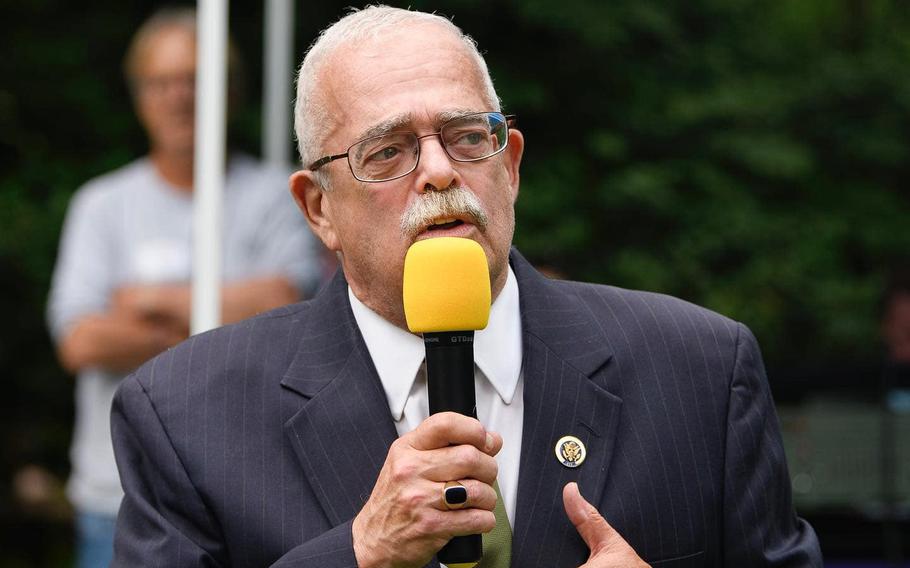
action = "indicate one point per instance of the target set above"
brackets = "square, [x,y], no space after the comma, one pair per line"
[208,175]
[276,98]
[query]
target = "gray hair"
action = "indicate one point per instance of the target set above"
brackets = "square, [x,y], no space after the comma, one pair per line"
[311,117]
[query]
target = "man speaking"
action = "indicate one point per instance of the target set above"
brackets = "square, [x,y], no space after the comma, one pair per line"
[615,428]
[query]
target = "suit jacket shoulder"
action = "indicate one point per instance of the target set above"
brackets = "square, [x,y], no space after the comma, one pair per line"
[639,330]
[684,452]
[226,449]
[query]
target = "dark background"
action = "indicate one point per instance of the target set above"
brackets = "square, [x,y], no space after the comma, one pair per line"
[750,156]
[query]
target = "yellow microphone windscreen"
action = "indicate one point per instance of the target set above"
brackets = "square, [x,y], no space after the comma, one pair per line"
[446,285]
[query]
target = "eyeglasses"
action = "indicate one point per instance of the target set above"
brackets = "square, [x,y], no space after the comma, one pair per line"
[157,85]
[469,138]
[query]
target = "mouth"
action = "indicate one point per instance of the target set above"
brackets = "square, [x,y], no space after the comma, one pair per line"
[446,227]
[443,224]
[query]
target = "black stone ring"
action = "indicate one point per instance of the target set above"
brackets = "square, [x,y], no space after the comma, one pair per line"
[454,495]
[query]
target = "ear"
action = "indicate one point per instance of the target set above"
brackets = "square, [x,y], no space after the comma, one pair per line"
[315,206]
[514,151]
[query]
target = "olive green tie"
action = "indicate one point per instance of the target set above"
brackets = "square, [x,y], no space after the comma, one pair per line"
[497,544]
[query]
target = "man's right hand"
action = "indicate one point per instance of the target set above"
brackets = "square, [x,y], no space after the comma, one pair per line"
[405,522]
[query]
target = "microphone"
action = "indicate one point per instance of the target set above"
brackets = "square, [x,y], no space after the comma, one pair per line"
[447,297]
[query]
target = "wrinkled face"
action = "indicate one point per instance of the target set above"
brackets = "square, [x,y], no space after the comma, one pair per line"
[413,80]
[165,90]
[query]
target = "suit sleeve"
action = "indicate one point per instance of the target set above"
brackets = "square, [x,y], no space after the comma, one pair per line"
[761,526]
[163,520]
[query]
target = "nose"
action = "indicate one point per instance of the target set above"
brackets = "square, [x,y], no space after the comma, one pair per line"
[178,90]
[435,171]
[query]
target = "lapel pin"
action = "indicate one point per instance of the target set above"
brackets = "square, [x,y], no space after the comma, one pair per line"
[570,451]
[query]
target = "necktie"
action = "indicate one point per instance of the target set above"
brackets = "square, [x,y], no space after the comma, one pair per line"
[497,544]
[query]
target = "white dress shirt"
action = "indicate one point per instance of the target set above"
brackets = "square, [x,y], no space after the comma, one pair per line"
[398,356]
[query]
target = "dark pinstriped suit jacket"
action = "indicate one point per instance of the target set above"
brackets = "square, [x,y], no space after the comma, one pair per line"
[257,443]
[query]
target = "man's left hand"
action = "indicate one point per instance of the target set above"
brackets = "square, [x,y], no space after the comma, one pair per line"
[608,548]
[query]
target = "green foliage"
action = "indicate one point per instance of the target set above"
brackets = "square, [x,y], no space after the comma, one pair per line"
[748,156]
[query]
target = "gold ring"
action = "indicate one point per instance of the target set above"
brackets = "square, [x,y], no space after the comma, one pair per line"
[454,495]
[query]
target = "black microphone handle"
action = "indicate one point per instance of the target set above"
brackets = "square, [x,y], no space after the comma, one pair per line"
[450,387]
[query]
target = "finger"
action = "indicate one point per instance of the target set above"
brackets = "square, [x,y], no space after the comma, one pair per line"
[464,521]
[493,449]
[593,528]
[450,428]
[457,462]
[479,496]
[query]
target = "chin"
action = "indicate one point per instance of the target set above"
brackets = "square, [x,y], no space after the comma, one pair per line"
[182,146]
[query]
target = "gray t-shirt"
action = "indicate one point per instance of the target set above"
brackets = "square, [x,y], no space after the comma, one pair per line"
[131,227]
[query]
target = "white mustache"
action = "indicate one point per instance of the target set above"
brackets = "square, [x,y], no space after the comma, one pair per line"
[451,202]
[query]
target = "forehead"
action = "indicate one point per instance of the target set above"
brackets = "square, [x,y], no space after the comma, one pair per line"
[170,49]
[421,72]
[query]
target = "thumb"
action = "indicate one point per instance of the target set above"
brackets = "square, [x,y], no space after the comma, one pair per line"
[593,528]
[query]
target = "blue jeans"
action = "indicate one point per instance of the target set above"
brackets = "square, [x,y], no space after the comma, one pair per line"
[94,540]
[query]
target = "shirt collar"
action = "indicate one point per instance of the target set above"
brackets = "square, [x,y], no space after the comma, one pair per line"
[398,354]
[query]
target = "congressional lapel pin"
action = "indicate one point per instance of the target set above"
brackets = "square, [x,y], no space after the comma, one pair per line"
[570,451]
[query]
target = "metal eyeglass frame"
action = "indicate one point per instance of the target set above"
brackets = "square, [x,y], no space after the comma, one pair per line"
[508,119]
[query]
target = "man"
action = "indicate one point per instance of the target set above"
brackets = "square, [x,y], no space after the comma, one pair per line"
[121,293]
[301,438]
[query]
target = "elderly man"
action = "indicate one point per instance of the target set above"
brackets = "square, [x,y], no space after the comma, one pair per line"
[301,437]
[121,291]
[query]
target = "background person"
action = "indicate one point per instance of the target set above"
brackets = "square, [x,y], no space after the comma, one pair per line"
[895,321]
[121,292]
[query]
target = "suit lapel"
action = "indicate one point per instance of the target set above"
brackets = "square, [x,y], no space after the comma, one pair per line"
[343,429]
[566,393]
